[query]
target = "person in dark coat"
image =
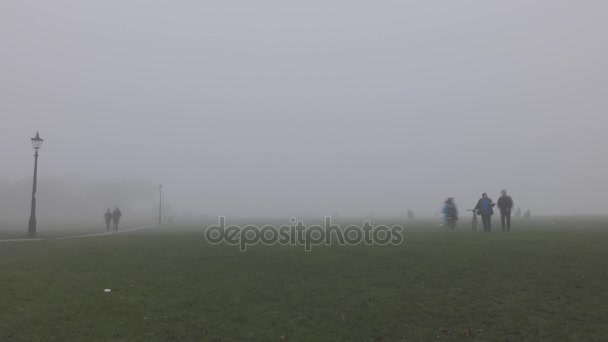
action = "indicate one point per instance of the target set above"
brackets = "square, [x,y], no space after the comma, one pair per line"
[116,214]
[484,208]
[108,217]
[505,203]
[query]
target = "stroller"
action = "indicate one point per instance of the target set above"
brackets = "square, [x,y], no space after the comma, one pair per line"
[474,219]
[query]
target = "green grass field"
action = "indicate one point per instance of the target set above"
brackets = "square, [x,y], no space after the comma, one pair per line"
[545,281]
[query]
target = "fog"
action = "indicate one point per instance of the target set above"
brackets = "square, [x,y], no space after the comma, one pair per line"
[277,108]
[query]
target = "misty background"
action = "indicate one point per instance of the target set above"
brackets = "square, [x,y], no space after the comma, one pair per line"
[275,108]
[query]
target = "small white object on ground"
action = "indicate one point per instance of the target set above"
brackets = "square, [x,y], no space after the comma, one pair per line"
[107,290]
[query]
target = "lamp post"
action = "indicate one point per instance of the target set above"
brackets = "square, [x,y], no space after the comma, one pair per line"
[31,230]
[160,203]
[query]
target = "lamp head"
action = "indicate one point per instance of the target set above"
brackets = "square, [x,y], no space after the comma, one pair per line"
[37,142]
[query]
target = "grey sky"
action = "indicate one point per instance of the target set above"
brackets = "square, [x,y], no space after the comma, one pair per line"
[279,108]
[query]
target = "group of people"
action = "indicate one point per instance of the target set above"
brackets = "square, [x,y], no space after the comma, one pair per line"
[112,217]
[484,208]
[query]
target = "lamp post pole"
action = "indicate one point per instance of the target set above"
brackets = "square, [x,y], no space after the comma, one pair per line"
[160,203]
[31,230]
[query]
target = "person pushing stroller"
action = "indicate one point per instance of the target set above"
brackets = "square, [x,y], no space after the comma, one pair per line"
[484,208]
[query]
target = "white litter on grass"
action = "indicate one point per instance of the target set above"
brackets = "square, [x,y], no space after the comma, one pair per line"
[107,290]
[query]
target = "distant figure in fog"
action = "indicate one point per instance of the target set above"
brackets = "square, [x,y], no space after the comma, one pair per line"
[450,213]
[484,208]
[527,214]
[410,214]
[505,203]
[108,216]
[116,214]
[518,212]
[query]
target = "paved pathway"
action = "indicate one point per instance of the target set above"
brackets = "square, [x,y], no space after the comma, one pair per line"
[81,236]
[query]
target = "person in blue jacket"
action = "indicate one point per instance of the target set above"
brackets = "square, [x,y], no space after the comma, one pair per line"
[450,213]
[484,208]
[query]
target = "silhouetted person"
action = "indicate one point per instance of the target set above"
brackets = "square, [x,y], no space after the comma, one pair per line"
[527,214]
[116,214]
[108,217]
[450,213]
[505,203]
[518,212]
[484,208]
[410,214]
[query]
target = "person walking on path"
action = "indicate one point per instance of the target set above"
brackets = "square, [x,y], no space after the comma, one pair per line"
[108,217]
[116,214]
